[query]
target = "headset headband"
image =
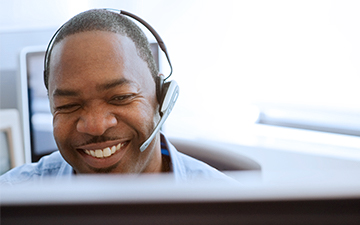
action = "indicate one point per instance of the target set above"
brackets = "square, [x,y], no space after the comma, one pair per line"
[121,12]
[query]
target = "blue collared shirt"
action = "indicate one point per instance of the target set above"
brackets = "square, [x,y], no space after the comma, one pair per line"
[183,167]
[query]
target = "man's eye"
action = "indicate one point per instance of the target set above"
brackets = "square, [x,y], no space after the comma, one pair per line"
[121,99]
[67,108]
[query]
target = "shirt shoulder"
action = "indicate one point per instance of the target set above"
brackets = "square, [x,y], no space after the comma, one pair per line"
[196,169]
[48,166]
[187,168]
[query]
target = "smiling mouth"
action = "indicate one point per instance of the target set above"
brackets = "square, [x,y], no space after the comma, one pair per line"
[105,152]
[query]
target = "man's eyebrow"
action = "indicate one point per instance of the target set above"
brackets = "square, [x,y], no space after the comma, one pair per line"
[100,87]
[112,84]
[65,92]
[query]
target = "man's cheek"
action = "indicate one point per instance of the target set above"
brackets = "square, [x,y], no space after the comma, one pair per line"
[59,131]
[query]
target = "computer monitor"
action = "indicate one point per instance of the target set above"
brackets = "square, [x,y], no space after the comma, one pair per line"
[36,115]
[157,200]
[34,103]
[11,149]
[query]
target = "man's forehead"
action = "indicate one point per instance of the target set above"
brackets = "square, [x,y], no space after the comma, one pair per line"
[111,56]
[97,46]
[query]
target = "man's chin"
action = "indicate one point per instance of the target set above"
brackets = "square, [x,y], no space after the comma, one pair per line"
[110,169]
[94,170]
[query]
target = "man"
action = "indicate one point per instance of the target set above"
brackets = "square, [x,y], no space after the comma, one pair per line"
[101,81]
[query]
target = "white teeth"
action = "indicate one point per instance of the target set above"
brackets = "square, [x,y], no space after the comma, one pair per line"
[102,153]
[113,150]
[107,152]
[99,153]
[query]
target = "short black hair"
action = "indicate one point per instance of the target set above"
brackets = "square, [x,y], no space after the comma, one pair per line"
[105,20]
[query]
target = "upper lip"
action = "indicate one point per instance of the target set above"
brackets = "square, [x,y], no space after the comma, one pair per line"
[100,145]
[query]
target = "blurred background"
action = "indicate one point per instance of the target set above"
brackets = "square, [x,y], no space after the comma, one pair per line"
[282,74]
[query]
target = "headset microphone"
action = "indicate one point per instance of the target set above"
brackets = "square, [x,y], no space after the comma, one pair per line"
[167,105]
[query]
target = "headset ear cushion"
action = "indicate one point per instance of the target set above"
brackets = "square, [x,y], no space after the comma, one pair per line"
[160,89]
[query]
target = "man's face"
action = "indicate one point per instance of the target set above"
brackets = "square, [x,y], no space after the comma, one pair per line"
[103,100]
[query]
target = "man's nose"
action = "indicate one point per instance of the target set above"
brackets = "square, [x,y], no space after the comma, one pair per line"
[96,121]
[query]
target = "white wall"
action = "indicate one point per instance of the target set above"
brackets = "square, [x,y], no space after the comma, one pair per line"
[237,54]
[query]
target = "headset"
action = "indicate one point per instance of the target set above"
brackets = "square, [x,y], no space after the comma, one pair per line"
[167,92]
